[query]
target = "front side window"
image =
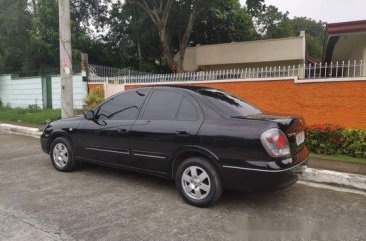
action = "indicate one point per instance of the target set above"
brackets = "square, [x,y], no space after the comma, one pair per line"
[124,106]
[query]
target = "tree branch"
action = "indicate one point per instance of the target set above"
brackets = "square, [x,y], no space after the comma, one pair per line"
[159,16]
[154,18]
[166,11]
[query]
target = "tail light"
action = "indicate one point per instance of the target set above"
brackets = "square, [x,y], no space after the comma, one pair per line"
[275,142]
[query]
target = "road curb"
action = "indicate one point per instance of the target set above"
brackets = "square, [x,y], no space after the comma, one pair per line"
[23,130]
[342,179]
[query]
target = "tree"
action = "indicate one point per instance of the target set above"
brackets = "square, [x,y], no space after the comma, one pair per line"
[159,12]
[15,22]
[275,24]
[132,36]
[43,44]
[255,7]
[314,34]
[222,21]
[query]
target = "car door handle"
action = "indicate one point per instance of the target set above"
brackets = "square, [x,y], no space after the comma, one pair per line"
[182,133]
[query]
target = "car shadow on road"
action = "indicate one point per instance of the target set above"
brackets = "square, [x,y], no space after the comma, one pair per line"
[229,198]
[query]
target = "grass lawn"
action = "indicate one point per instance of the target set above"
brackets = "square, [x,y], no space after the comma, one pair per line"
[29,116]
[338,157]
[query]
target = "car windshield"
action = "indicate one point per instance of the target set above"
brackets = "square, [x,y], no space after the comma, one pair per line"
[230,105]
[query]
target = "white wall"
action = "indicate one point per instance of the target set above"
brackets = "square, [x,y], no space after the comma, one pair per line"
[111,89]
[80,91]
[21,92]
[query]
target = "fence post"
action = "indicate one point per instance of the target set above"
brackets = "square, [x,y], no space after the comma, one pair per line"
[85,66]
[325,69]
[331,69]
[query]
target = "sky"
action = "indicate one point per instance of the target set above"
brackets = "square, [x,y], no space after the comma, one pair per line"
[330,11]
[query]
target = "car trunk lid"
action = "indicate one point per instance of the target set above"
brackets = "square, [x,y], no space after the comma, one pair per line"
[292,126]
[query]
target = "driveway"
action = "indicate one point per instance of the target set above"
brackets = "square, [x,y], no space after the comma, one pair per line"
[98,203]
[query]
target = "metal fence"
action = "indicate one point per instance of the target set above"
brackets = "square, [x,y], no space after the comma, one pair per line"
[336,70]
[333,70]
[98,73]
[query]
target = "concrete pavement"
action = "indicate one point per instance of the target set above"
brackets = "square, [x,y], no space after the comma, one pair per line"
[98,203]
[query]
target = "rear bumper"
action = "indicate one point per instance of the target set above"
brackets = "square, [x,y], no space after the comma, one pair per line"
[257,181]
[253,179]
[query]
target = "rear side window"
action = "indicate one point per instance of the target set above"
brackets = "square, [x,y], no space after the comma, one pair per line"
[163,105]
[187,111]
[231,105]
[124,106]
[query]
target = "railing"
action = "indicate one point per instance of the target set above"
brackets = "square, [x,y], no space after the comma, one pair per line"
[336,70]
[332,70]
[99,73]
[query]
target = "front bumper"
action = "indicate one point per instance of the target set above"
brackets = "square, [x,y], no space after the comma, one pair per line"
[44,143]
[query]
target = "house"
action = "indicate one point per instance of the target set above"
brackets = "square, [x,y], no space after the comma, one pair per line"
[345,41]
[249,54]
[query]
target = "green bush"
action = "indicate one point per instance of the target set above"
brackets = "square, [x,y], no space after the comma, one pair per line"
[327,139]
[33,107]
[354,142]
[94,98]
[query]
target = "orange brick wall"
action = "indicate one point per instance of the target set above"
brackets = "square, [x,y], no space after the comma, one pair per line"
[338,103]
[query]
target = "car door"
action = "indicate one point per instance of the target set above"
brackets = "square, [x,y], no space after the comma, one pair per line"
[107,137]
[170,119]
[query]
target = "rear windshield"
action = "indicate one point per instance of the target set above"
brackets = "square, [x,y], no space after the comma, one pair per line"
[229,104]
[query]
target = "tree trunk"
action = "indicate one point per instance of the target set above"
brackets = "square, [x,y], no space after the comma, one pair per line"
[166,49]
[184,43]
[141,67]
[182,52]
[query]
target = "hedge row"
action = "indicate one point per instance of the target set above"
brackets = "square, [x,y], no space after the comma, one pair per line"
[328,139]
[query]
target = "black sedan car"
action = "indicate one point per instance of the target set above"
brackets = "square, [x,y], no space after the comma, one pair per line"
[203,138]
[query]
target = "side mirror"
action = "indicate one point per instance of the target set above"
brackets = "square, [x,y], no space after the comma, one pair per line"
[89,115]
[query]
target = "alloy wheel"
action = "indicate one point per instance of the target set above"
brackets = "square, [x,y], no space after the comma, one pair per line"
[60,155]
[196,183]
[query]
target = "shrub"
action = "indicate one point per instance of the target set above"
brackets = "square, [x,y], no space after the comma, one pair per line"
[324,139]
[33,107]
[354,142]
[1,104]
[328,139]
[94,98]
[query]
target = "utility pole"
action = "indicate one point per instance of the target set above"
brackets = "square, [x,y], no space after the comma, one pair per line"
[67,103]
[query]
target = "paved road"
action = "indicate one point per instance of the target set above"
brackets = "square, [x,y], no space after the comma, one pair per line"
[97,203]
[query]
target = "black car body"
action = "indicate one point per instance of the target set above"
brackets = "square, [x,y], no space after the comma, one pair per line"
[155,129]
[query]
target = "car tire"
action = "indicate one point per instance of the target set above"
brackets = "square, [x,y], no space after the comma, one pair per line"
[198,182]
[62,155]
